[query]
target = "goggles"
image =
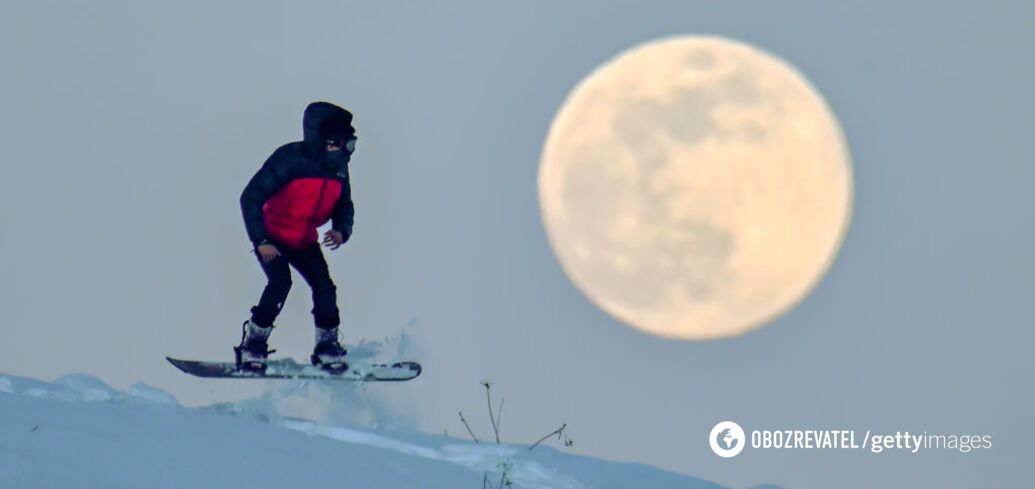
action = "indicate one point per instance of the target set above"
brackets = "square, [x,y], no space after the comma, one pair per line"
[349,145]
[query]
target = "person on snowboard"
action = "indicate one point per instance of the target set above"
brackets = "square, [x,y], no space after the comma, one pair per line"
[299,188]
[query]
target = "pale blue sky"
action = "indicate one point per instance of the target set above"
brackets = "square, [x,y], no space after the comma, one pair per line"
[129,129]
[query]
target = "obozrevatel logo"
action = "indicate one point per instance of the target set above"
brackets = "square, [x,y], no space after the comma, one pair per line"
[727,439]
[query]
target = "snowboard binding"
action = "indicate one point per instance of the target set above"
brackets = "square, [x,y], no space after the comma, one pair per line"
[253,352]
[339,366]
[328,354]
[248,361]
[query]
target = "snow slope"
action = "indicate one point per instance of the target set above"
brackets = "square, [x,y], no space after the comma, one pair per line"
[78,432]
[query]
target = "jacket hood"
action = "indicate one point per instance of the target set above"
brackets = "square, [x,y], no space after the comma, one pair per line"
[324,120]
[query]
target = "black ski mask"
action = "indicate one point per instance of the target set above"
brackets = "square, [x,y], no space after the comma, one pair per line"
[338,132]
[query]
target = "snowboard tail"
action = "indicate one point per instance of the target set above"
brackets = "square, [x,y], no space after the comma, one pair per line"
[290,369]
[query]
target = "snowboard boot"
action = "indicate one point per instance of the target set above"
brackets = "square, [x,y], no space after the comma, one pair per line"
[328,353]
[253,351]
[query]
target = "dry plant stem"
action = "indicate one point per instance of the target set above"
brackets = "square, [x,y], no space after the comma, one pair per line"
[499,414]
[492,418]
[554,432]
[475,438]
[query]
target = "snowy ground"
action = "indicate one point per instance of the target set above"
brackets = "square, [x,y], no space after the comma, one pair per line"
[78,432]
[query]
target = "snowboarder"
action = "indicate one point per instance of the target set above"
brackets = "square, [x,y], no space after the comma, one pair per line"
[299,188]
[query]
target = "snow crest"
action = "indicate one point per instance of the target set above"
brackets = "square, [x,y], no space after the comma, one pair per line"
[94,431]
[483,458]
[83,388]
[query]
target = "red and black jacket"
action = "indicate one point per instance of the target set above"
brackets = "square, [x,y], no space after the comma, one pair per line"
[301,186]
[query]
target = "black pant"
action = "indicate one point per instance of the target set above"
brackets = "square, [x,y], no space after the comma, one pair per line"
[310,264]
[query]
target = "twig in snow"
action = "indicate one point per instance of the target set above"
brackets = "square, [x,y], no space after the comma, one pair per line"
[557,432]
[499,414]
[492,418]
[475,438]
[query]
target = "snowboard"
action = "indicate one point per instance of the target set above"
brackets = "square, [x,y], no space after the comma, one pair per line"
[290,369]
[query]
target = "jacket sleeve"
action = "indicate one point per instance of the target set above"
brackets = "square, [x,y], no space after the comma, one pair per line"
[344,211]
[266,182]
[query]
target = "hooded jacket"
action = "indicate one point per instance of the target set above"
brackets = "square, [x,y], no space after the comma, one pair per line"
[301,185]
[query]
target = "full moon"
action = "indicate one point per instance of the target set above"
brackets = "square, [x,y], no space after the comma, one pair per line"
[695,188]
